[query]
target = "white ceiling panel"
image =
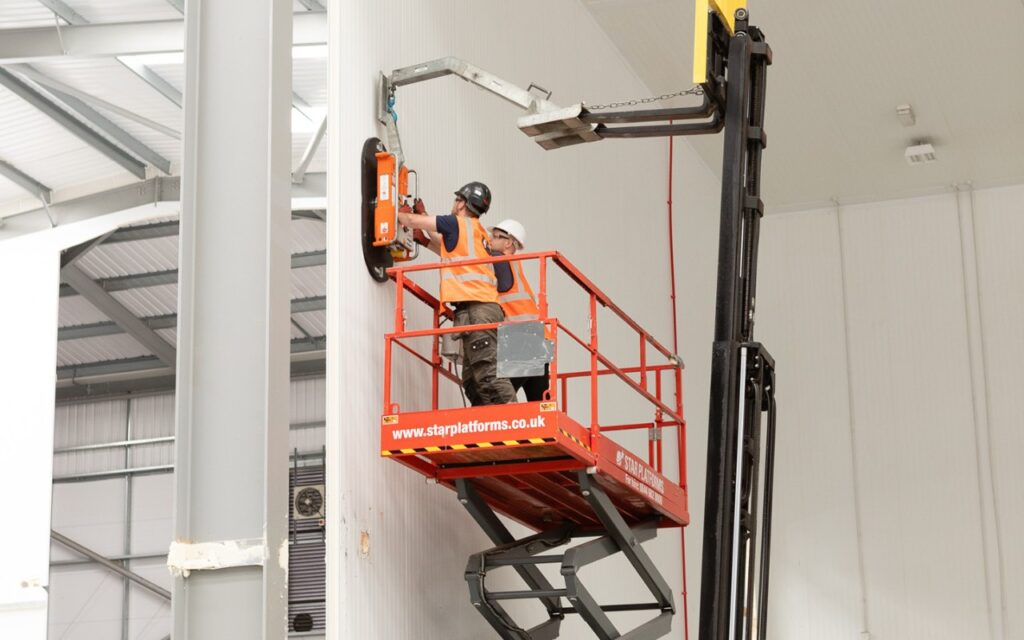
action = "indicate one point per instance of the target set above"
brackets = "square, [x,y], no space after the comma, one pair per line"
[913,417]
[840,70]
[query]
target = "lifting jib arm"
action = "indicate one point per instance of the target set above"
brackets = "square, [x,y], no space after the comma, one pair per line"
[522,98]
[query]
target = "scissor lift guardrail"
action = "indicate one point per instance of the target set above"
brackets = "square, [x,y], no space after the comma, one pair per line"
[534,463]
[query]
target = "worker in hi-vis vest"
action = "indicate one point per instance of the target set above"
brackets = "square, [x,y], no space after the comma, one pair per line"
[471,289]
[518,302]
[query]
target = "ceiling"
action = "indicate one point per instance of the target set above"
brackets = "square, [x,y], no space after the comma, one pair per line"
[840,69]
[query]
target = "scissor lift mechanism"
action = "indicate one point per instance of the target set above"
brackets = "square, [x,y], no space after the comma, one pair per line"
[735,572]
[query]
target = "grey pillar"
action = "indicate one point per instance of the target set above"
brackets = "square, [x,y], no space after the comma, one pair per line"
[233,333]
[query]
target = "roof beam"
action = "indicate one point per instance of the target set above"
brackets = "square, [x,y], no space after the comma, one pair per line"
[153,79]
[147,75]
[25,181]
[98,120]
[145,192]
[126,38]
[312,5]
[62,10]
[169,321]
[147,365]
[72,124]
[142,193]
[78,383]
[299,175]
[110,307]
[170,276]
[63,90]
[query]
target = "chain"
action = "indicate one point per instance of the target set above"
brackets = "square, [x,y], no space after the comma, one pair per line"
[692,91]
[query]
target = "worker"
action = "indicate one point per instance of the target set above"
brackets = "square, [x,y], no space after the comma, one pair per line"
[471,289]
[518,302]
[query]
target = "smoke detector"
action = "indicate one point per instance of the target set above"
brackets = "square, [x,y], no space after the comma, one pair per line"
[921,153]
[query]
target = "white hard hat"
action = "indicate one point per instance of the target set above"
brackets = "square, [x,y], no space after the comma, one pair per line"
[514,229]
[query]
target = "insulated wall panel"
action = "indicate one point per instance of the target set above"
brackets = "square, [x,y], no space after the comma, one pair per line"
[815,566]
[913,419]
[999,226]
[403,544]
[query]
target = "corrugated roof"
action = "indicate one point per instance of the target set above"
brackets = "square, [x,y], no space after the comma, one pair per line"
[47,152]
[308,235]
[40,147]
[43,149]
[160,254]
[16,14]
[150,301]
[109,80]
[99,349]
[123,10]
[309,282]
[125,258]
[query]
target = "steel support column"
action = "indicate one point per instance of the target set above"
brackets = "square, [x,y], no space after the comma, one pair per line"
[233,333]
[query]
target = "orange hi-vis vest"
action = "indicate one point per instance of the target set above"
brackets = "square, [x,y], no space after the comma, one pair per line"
[518,302]
[473,282]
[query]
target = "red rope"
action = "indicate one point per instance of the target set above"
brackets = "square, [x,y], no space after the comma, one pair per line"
[675,349]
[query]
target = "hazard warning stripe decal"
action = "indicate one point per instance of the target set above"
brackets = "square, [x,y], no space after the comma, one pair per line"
[574,439]
[478,445]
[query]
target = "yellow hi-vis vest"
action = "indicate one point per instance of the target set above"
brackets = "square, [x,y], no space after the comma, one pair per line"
[468,283]
[518,302]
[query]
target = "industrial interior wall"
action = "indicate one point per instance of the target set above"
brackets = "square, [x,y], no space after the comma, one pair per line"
[896,328]
[119,502]
[399,544]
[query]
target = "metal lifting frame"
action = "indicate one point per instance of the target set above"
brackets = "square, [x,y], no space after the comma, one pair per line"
[742,372]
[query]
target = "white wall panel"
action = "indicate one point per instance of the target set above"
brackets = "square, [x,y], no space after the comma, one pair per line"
[600,204]
[999,227]
[913,419]
[815,575]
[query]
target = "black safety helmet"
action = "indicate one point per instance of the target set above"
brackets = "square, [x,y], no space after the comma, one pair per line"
[477,197]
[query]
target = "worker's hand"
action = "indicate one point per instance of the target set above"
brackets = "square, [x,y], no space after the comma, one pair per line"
[421,237]
[405,208]
[418,206]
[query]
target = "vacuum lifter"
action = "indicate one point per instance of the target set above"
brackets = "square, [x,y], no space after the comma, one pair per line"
[583,487]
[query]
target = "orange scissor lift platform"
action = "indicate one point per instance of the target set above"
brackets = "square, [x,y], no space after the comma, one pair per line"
[535,463]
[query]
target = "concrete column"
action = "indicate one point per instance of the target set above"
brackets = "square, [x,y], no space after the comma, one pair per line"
[233,335]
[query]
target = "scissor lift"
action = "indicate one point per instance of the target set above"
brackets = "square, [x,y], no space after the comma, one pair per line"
[535,463]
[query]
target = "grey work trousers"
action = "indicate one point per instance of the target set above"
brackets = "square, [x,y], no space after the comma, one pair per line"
[480,355]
